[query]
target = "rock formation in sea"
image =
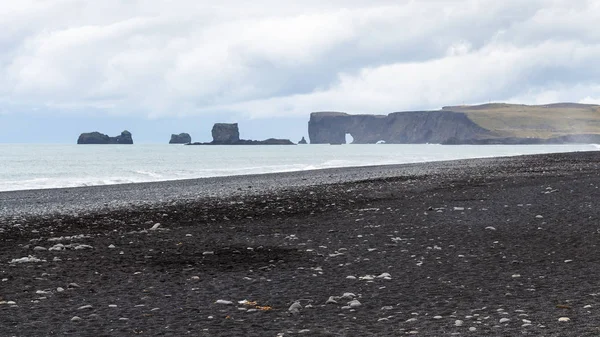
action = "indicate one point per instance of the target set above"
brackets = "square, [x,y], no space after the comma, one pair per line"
[225,133]
[182,138]
[302,141]
[496,123]
[100,138]
[229,134]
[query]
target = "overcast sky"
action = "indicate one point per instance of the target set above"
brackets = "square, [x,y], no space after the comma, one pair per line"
[163,66]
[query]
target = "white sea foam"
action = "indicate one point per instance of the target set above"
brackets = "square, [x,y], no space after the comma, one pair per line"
[52,166]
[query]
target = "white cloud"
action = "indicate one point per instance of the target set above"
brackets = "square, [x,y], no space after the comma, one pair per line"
[270,58]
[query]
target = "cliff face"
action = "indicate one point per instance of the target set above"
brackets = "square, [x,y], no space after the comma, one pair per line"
[398,127]
[100,138]
[182,138]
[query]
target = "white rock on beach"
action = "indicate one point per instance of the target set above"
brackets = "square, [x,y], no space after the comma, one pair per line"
[155,227]
[225,302]
[458,322]
[564,319]
[27,259]
[354,304]
[504,320]
[295,308]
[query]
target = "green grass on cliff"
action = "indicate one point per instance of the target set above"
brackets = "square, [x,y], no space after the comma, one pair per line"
[540,121]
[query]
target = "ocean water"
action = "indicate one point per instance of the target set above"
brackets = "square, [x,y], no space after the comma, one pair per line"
[33,166]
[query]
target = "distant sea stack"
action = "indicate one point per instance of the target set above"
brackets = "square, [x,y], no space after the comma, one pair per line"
[302,141]
[229,134]
[225,133]
[100,138]
[494,123]
[182,138]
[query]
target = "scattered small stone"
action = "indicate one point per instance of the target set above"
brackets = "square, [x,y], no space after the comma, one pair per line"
[39,248]
[387,307]
[490,228]
[75,319]
[539,217]
[195,278]
[472,329]
[73,285]
[504,320]
[155,227]
[587,306]
[564,319]
[112,247]
[27,259]
[224,302]
[112,305]
[354,304]
[85,307]
[348,296]
[516,276]
[411,320]
[459,322]
[567,261]
[295,308]
[350,277]
[385,276]
[437,317]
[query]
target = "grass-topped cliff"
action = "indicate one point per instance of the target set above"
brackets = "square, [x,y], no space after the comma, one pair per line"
[534,121]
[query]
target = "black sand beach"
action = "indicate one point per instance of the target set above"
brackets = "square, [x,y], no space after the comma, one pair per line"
[486,247]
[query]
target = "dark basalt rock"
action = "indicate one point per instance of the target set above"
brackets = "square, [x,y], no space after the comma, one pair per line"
[182,138]
[302,141]
[100,138]
[229,134]
[225,133]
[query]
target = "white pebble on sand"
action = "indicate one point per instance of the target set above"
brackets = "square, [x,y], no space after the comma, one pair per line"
[85,307]
[437,317]
[155,227]
[39,248]
[224,302]
[587,306]
[564,319]
[60,289]
[490,228]
[75,319]
[472,329]
[350,277]
[354,304]
[385,276]
[504,320]
[295,308]
[112,247]
[348,296]
[112,305]
[458,322]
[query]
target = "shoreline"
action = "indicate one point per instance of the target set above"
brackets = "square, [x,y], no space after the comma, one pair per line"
[66,200]
[494,247]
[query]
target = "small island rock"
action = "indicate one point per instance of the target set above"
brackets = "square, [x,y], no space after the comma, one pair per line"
[100,138]
[182,138]
[302,141]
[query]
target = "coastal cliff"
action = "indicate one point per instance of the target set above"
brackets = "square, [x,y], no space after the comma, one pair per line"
[100,138]
[482,124]
[398,127]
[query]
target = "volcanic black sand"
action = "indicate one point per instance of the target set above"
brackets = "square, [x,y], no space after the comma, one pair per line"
[488,247]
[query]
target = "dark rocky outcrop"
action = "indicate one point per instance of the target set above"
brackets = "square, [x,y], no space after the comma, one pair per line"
[225,133]
[229,134]
[398,127]
[182,138]
[100,138]
[302,141]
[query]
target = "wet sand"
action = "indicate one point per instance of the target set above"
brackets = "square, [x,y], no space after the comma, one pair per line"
[484,247]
